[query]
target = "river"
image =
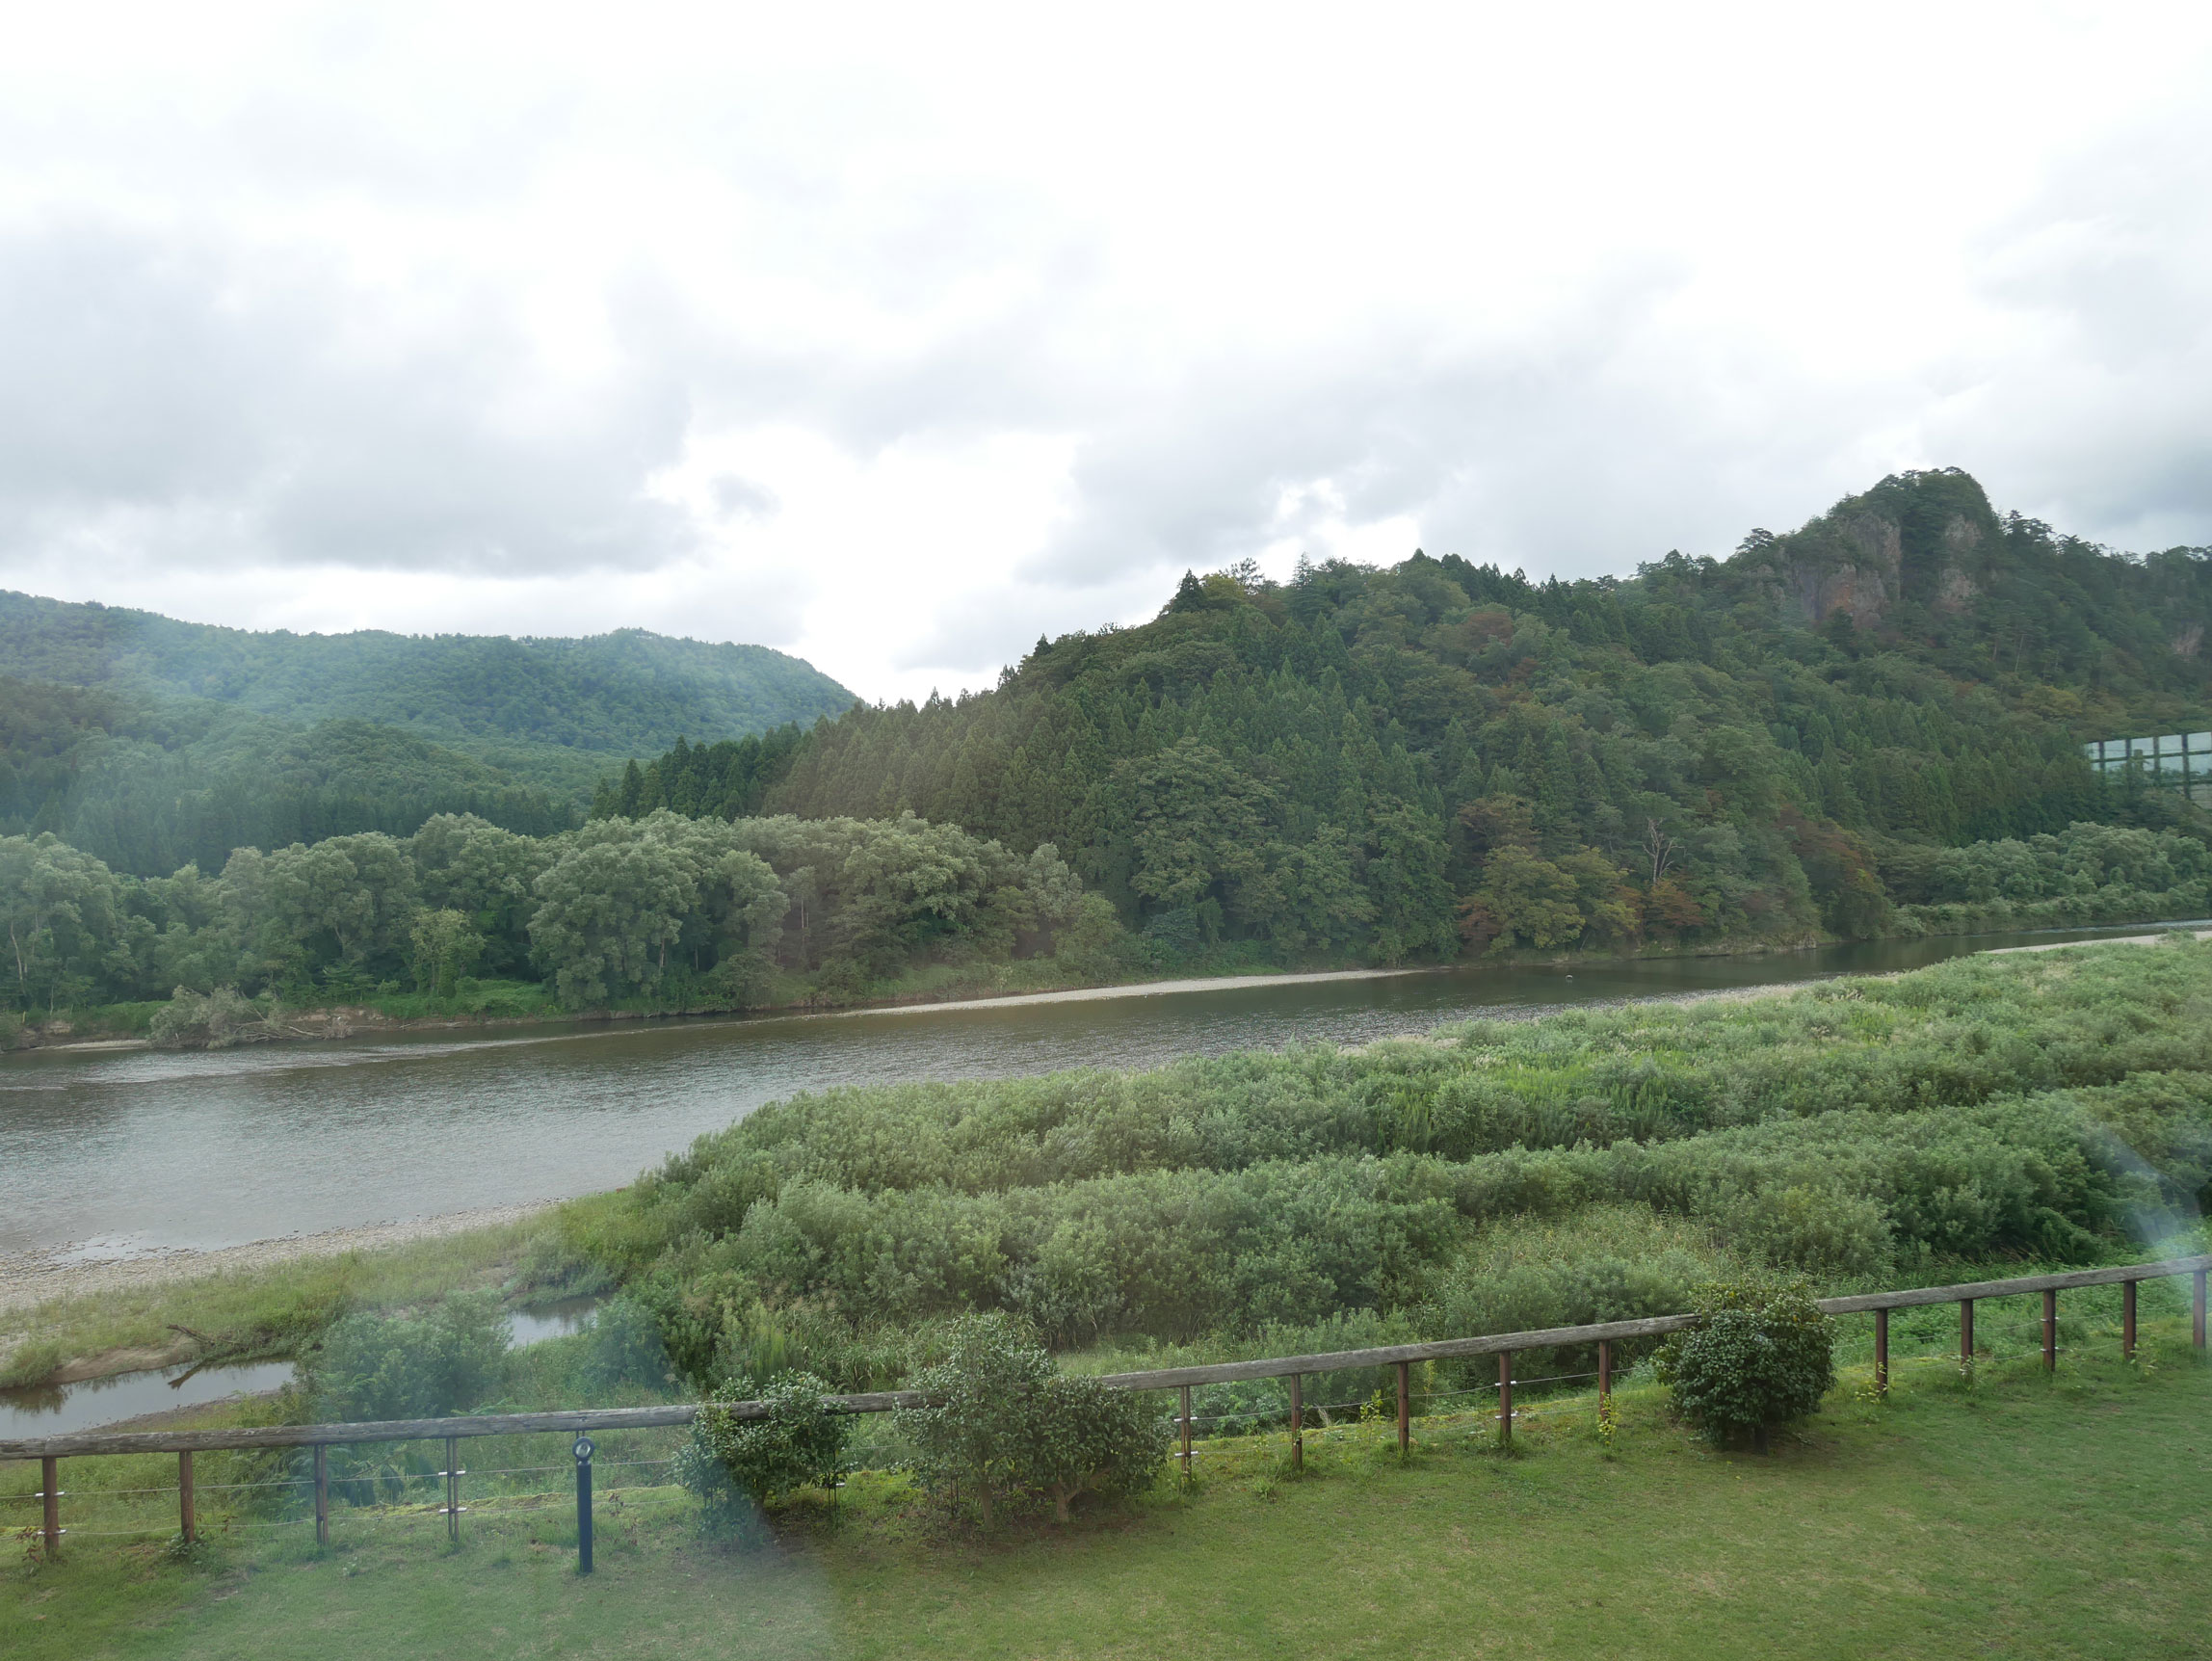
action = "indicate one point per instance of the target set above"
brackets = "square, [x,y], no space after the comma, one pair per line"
[117,1153]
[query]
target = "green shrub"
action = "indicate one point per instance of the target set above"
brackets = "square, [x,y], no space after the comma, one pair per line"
[373,1367]
[738,1466]
[1760,1356]
[974,1437]
[1798,1226]
[1002,1426]
[1088,1437]
[624,1347]
[1530,1273]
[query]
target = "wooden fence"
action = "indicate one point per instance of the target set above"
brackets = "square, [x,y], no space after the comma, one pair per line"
[51,1450]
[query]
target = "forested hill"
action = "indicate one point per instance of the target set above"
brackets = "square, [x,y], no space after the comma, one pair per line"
[154,744]
[506,699]
[148,785]
[1397,762]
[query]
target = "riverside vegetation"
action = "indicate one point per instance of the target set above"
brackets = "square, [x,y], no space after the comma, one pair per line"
[1589,1166]
[2047,1108]
[462,917]
[1869,727]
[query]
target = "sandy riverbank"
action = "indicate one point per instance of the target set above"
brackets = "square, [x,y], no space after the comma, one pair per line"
[41,1277]
[2113,940]
[1133,990]
[356,1022]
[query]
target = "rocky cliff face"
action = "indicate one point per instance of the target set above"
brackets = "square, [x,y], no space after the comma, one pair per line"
[1855,571]
[1922,537]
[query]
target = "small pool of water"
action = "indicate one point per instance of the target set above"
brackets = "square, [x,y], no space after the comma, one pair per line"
[56,1410]
[53,1411]
[552,1320]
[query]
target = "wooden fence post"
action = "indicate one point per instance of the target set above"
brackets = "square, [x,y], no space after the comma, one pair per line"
[2127,1319]
[50,1487]
[1966,1332]
[2050,1331]
[1604,1368]
[1186,1433]
[1881,1351]
[1405,1407]
[2196,1313]
[322,1494]
[1505,1398]
[185,1517]
[1296,1423]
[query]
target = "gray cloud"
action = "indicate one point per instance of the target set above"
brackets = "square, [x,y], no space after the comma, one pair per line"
[2099,413]
[1385,313]
[1593,442]
[172,397]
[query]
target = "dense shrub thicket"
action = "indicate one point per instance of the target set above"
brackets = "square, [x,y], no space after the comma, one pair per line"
[1592,1164]
[448,1359]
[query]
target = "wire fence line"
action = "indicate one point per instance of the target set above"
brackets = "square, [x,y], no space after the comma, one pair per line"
[318,1440]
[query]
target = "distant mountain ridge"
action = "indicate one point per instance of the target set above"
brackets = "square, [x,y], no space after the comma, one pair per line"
[630,691]
[151,742]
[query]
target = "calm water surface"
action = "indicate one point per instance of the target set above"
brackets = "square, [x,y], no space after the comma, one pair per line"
[116,1154]
[56,1410]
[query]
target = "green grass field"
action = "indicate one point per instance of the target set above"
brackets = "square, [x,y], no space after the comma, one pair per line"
[2018,1517]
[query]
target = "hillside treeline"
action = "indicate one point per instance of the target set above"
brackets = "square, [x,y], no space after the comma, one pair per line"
[1589,1166]
[148,786]
[667,911]
[1397,763]
[664,911]
[726,780]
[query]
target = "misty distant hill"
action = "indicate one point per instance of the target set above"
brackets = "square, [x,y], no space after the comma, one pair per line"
[153,742]
[626,693]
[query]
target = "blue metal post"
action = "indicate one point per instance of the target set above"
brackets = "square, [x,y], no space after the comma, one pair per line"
[582,1505]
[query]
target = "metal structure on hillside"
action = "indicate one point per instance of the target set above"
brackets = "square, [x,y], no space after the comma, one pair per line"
[2174,761]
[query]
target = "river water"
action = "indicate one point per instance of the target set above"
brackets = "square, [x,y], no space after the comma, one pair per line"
[112,1155]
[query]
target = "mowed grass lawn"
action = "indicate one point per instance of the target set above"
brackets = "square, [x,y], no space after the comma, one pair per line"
[2024,1517]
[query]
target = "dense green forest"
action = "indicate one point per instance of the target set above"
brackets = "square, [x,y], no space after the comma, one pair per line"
[1589,1166]
[153,742]
[1869,727]
[671,912]
[1397,763]
[659,912]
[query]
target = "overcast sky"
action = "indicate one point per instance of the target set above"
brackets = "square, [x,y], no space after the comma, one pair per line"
[896,338]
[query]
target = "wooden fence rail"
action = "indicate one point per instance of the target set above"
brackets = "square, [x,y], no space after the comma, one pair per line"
[48,1450]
